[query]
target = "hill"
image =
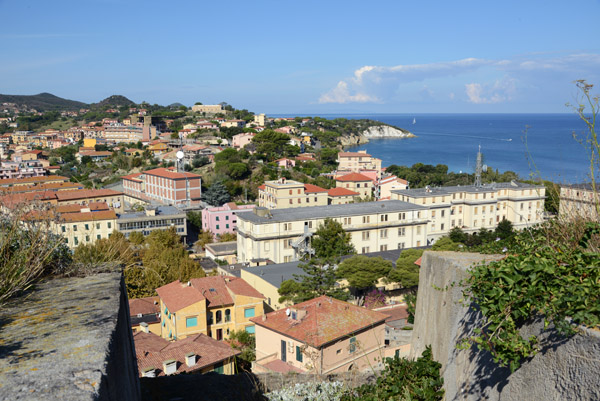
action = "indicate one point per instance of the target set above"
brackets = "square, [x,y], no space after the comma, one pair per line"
[114,101]
[43,102]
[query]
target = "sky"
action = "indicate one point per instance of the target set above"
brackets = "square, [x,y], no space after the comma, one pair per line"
[306,57]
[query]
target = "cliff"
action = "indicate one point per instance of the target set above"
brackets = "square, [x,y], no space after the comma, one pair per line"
[563,369]
[373,132]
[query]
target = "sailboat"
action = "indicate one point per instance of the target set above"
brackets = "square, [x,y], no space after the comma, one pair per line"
[414,120]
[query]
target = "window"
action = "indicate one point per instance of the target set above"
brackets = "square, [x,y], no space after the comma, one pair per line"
[384,217]
[217,226]
[64,229]
[287,243]
[250,329]
[219,369]
[401,231]
[383,233]
[442,227]
[87,238]
[209,318]
[249,312]
[418,230]
[475,223]
[218,316]
[97,226]
[433,213]
[452,223]
[365,235]
[227,315]
[366,219]
[443,213]
[87,226]
[226,217]
[109,225]
[365,249]
[298,354]
[75,226]
[76,240]
[217,218]
[401,245]
[191,321]
[352,345]
[383,248]
[475,211]
[226,225]
[401,216]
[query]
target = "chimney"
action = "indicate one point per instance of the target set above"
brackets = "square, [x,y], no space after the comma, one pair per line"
[189,283]
[149,372]
[190,359]
[264,317]
[144,327]
[170,366]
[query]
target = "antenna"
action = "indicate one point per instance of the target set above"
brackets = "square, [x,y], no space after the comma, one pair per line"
[478,168]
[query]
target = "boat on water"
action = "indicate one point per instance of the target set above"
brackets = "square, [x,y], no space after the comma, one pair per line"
[414,120]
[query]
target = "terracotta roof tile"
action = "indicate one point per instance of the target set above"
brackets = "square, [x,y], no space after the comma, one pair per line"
[353,177]
[86,194]
[145,306]
[166,173]
[327,319]
[89,216]
[341,192]
[29,180]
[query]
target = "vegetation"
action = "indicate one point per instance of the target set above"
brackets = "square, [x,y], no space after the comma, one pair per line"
[404,380]
[43,102]
[406,272]
[362,272]
[216,194]
[244,342]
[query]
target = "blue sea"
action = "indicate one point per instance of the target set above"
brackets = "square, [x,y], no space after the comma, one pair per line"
[539,144]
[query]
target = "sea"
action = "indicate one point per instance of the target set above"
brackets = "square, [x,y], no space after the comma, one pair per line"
[531,145]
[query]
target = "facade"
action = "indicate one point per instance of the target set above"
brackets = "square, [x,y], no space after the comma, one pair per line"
[243,139]
[385,186]
[278,234]
[579,200]
[473,207]
[223,251]
[282,194]
[219,220]
[117,133]
[146,311]
[356,182]
[208,108]
[84,226]
[357,161]
[321,336]
[213,306]
[153,218]
[233,123]
[165,186]
[341,196]
[195,354]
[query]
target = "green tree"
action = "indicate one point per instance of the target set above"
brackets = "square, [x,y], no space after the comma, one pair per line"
[205,237]
[331,242]
[406,272]
[227,237]
[216,194]
[362,272]
[195,218]
[504,229]
[270,143]
[457,235]
[137,238]
[445,244]
[245,342]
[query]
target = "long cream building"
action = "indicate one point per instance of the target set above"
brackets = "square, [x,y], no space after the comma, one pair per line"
[579,200]
[290,194]
[278,234]
[473,207]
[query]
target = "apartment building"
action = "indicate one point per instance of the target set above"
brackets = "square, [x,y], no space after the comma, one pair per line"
[342,196]
[473,207]
[322,336]
[213,306]
[114,199]
[223,219]
[579,200]
[13,182]
[357,161]
[153,218]
[117,133]
[164,185]
[278,234]
[243,139]
[356,182]
[84,225]
[282,194]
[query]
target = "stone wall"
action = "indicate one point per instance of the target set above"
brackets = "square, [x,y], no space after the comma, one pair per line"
[564,369]
[69,339]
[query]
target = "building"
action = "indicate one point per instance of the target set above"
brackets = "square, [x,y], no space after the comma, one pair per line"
[233,123]
[208,108]
[219,220]
[267,280]
[13,182]
[356,182]
[118,133]
[279,235]
[165,186]
[341,196]
[84,225]
[385,186]
[114,199]
[225,251]
[579,200]
[144,314]
[96,156]
[213,306]
[321,336]
[243,139]
[357,161]
[195,354]
[472,207]
[153,218]
[284,193]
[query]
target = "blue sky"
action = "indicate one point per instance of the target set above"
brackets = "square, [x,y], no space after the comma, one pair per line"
[305,57]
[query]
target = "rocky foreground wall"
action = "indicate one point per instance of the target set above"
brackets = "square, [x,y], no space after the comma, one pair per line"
[564,369]
[69,339]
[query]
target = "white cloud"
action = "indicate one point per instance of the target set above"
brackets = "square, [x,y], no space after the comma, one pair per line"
[484,81]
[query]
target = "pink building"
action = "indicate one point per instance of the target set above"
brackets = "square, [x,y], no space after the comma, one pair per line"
[243,139]
[219,220]
[285,163]
[164,185]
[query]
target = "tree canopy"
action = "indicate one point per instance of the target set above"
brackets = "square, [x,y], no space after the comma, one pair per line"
[362,272]
[216,194]
[406,272]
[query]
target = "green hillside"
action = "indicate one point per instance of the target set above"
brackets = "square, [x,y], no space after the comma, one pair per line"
[43,102]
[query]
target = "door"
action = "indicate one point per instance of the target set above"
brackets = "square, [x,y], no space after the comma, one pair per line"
[283,350]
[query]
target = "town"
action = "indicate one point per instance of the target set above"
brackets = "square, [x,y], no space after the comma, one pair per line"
[248,242]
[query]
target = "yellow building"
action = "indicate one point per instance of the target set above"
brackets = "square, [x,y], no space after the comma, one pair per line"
[144,314]
[473,207]
[357,161]
[356,182]
[89,142]
[85,226]
[579,201]
[213,306]
[284,193]
[280,235]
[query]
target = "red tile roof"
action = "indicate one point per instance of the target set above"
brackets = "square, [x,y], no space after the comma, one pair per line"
[152,350]
[86,194]
[144,306]
[327,319]
[262,187]
[89,216]
[353,177]
[14,200]
[217,290]
[166,173]
[132,177]
[341,192]
[396,312]
[310,188]
[29,180]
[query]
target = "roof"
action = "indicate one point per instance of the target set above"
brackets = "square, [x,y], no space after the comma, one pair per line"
[29,180]
[319,212]
[161,211]
[440,191]
[144,306]
[327,319]
[341,192]
[166,173]
[353,177]
[222,248]
[262,187]
[152,350]
[394,312]
[15,200]
[277,273]
[217,290]
[132,177]
[86,194]
[310,188]
[353,154]
[93,206]
[89,216]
